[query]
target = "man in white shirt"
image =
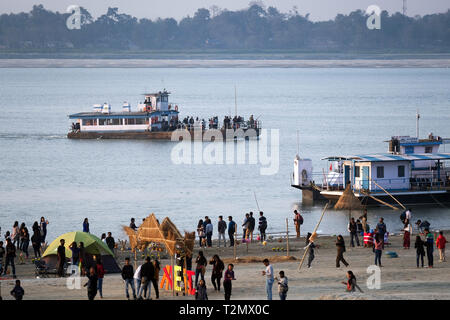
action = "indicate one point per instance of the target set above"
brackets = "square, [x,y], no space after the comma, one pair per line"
[269,278]
[408,214]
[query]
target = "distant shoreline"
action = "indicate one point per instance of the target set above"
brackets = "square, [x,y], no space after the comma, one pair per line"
[224,63]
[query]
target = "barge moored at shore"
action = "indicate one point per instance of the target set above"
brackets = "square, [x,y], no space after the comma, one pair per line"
[413,172]
[156,119]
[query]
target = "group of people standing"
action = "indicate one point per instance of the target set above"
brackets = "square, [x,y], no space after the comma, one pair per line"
[18,239]
[205,230]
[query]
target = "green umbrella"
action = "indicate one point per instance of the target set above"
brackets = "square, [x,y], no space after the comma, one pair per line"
[92,244]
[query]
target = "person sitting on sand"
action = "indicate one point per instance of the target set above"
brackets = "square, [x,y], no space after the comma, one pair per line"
[351,282]
[340,246]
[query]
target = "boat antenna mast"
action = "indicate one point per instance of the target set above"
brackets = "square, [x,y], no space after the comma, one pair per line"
[417,123]
[235,101]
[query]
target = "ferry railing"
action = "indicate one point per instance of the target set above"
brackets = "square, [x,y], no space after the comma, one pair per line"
[423,182]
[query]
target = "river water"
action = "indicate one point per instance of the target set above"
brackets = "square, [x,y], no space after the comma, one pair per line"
[336,111]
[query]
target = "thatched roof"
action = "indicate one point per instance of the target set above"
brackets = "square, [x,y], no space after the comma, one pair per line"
[166,233]
[348,201]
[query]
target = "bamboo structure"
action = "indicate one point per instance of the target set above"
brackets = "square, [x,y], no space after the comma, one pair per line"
[313,236]
[165,233]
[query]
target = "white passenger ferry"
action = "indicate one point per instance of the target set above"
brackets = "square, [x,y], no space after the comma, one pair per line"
[155,118]
[413,171]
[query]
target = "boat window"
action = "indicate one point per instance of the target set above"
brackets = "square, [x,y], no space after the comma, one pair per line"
[357,171]
[409,149]
[89,122]
[428,149]
[130,121]
[380,172]
[401,171]
[140,121]
[116,122]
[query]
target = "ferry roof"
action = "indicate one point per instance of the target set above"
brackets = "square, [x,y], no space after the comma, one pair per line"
[392,157]
[121,115]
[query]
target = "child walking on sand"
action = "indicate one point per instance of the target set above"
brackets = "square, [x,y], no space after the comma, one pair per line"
[440,244]
[17,292]
[228,277]
[282,286]
[351,282]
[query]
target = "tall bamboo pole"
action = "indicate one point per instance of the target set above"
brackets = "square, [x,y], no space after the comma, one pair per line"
[389,195]
[315,229]
[287,238]
[234,244]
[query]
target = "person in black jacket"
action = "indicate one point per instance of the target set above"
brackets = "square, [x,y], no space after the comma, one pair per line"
[420,250]
[147,274]
[262,226]
[9,259]
[127,276]
[340,245]
[110,242]
[200,268]
[92,284]
[251,226]
[353,229]
[217,271]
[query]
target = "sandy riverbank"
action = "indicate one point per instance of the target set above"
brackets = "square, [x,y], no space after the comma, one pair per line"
[400,279]
[223,63]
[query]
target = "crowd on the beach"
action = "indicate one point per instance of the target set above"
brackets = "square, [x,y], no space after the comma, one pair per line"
[146,275]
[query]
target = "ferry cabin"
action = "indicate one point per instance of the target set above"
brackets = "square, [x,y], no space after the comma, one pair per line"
[393,172]
[155,114]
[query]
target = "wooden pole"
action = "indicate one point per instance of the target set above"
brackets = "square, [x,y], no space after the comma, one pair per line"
[173,274]
[389,195]
[287,238]
[381,201]
[315,230]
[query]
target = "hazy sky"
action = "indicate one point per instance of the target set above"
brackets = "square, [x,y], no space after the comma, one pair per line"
[318,9]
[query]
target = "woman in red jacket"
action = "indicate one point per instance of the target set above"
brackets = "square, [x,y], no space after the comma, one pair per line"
[440,244]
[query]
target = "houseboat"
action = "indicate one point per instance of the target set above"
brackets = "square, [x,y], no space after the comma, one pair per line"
[413,171]
[155,118]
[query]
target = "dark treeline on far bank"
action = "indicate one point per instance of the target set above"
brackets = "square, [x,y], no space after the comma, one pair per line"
[253,29]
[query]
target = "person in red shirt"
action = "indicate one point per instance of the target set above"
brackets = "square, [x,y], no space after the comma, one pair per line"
[100,275]
[440,244]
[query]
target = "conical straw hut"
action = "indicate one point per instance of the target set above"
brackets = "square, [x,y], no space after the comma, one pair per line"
[348,201]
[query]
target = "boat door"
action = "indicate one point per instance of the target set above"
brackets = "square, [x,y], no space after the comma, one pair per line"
[365,177]
[346,175]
